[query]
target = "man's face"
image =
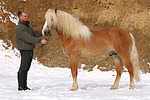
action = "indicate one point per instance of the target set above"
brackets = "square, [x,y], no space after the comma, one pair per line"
[23,17]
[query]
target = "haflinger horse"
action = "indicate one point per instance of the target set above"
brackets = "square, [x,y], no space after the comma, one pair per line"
[79,42]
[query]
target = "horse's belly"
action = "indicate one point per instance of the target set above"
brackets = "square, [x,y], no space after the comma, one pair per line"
[94,53]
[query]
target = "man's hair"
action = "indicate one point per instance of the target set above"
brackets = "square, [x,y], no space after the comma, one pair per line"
[20,12]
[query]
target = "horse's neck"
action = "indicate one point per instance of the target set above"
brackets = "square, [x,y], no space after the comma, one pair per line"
[64,39]
[60,35]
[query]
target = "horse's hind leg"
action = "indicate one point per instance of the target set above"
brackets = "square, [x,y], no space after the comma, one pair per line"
[129,66]
[119,69]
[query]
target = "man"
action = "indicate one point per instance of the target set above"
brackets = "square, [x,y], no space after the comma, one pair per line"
[26,37]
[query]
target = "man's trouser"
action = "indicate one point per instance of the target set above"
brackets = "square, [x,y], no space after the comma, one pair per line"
[26,59]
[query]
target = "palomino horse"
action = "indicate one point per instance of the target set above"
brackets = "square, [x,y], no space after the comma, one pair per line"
[79,42]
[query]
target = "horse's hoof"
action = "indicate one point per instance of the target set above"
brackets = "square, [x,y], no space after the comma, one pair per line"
[73,89]
[131,88]
[114,88]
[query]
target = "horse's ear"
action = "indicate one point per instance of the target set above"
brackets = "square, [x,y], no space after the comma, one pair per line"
[55,11]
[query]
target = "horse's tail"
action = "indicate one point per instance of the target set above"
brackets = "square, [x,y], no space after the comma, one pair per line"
[134,59]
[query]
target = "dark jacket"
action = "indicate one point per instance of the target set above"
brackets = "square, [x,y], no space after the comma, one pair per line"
[26,37]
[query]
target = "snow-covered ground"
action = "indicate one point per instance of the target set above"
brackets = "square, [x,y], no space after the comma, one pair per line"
[54,83]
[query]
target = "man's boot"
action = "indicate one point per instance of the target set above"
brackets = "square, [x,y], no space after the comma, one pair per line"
[25,80]
[22,81]
[21,84]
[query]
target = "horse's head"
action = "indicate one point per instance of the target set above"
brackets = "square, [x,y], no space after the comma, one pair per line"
[50,20]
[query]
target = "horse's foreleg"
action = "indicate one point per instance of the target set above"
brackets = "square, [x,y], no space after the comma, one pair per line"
[74,71]
[119,69]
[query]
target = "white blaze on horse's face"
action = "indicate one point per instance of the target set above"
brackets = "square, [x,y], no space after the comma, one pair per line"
[49,24]
[44,27]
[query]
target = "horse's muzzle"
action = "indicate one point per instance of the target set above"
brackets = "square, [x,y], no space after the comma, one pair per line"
[47,32]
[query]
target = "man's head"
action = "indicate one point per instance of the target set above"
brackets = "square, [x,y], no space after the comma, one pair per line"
[23,16]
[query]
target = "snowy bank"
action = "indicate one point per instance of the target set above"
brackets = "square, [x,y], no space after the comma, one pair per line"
[54,83]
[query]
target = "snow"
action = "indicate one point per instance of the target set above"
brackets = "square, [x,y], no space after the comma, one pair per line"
[54,83]
[14,19]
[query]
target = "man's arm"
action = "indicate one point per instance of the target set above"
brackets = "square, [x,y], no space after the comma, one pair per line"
[27,37]
[37,33]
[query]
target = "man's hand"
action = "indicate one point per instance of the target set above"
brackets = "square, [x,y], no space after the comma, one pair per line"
[44,41]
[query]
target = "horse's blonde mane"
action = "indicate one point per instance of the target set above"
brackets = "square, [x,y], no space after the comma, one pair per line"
[68,25]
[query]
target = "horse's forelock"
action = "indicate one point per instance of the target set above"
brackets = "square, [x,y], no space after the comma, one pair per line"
[50,14]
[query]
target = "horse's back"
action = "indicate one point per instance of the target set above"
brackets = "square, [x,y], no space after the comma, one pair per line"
[106,40]
[113,35]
